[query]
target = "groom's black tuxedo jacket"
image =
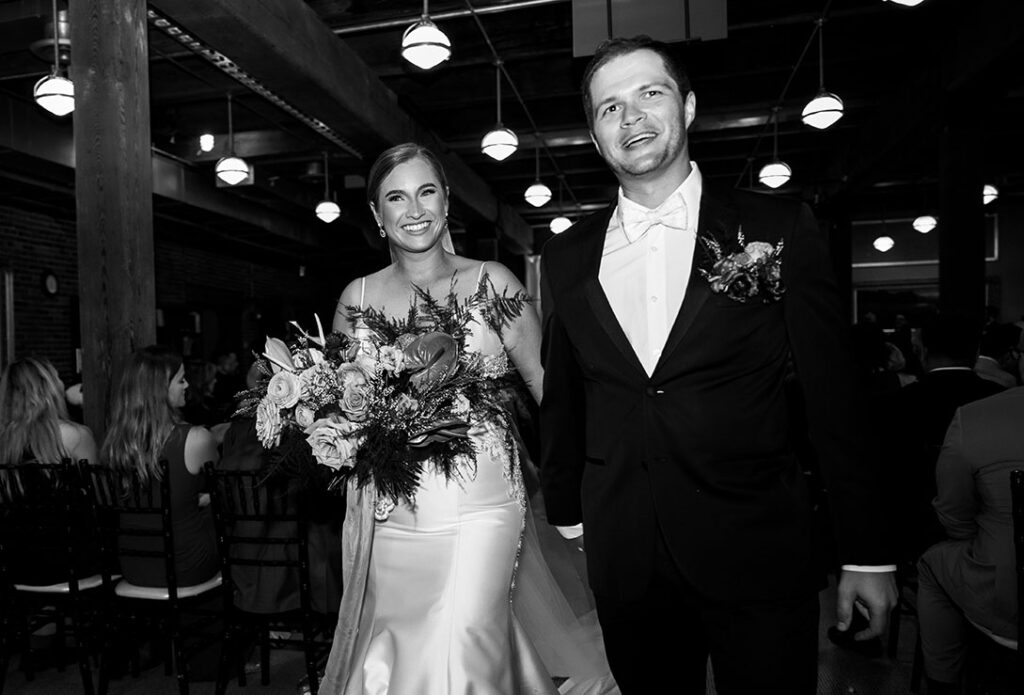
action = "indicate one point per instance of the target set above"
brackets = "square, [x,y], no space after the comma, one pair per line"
[702,450]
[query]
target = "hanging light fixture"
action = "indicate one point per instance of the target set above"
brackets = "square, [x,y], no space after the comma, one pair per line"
[54,92]
[231,170]
[883,243]
[327,210]
[906,3]
[206,142]
[925,223]
[561,223]
[825,108]
[424,45]
[989,194]
[776,172]
[501,142]
[538,194]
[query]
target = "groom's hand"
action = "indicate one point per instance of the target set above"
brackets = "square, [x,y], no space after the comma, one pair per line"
[873,594]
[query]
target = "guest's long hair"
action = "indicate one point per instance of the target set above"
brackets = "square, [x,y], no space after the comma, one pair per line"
[142,417]
[31,410]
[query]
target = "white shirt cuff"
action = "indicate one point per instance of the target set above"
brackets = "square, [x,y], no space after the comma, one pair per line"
[570,532]
[870,568]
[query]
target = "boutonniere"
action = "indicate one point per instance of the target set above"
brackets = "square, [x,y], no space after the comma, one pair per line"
[755,270]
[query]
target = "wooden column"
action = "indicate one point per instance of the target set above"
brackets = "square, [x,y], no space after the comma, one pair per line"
[961,227]
[114,193]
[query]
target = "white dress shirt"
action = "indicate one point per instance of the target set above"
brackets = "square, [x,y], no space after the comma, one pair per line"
[646,263]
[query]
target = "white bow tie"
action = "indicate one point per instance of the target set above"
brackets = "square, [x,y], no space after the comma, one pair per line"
[636,220]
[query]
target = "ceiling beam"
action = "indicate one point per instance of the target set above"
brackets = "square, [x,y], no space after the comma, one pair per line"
[25,131]
[285,46]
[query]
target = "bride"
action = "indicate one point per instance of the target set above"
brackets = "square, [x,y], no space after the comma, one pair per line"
[450,593]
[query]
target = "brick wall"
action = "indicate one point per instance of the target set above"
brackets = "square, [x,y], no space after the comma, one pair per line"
[235,296]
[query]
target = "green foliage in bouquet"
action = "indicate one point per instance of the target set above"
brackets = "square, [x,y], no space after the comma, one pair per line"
[380,406]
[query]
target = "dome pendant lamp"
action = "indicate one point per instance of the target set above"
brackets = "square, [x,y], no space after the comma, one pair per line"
[54,92]
[231,170]
[560,223]
[501,142]
[327,210]
[538,194]
[424,45]
[776,172]
[825,108]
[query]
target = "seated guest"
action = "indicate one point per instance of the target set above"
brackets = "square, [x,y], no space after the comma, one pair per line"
[276,589]
[998,359]
[35,428]
[970,578]
[916,420]
[146,426]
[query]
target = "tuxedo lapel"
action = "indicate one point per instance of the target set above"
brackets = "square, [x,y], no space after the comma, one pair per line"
[717,221]
[590,263]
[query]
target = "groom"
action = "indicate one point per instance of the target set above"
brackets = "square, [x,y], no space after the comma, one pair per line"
[664,424]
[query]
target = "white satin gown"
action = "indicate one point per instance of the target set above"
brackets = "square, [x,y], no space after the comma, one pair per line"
[437,615]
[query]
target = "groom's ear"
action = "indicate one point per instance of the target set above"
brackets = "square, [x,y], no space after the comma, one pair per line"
[596,145]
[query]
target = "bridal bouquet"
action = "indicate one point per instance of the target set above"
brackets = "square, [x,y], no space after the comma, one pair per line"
[382,406]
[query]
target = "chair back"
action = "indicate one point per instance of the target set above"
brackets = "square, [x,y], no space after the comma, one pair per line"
[44,520]
[134,516]
[261,522]
[1017,507]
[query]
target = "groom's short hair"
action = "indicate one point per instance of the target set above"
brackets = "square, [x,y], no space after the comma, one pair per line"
[613,48]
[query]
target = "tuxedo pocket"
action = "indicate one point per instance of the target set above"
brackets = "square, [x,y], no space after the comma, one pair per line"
[594,460]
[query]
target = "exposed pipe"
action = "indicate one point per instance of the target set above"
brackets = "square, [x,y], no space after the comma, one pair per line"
[436,16]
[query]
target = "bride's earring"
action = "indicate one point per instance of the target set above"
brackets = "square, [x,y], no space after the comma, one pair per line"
[383,234]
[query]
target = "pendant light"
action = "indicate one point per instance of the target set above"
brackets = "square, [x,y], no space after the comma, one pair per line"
[883,243]
[776,172]
[231,170]
[560,223]
[424,45]
[54,92]
[327,210]
[501,142]
[906,3]
[925,223]
[538,194]
[989,194]
[825,108]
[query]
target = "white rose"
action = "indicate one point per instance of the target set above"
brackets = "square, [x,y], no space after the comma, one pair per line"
[304,416]
[268,424]
[758,250]
[284,389]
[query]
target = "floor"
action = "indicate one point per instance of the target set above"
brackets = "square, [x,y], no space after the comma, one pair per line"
[841,672]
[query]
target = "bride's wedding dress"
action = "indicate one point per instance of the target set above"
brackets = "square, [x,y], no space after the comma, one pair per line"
[452,595]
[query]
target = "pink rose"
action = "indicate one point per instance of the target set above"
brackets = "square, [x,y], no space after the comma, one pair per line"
[284,389]
[268,424]
[355,392]
[333,443]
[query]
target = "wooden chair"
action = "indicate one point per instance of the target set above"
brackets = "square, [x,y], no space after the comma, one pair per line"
[1017,497]
[118,493]
[44,514]
[262,524]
